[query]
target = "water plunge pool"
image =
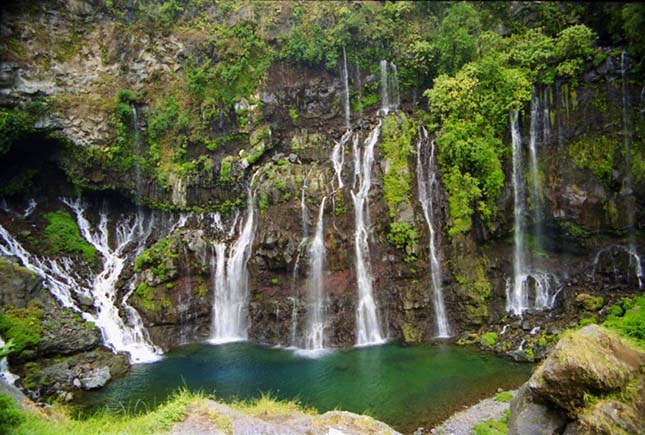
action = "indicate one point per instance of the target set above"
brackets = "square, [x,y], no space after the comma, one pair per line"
[404,386]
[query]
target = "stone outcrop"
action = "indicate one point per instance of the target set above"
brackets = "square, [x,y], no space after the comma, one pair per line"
[591,383]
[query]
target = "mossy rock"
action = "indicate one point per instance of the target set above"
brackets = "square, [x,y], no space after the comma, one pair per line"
[590,303]
[591,360]
[609,417]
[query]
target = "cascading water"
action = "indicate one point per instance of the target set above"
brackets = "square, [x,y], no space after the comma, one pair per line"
[535,181]
[5,373]
[627,191]
[65,283]
[31,206]
[614,251]
[368,328]
[428,189]
[546,117]
[232,282]
[346,91]
[518,300]
[316,303]
[119,335]
[338,158]
[544,285]
[389,87]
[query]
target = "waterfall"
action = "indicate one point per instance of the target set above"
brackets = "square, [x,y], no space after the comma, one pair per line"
[518,300]
[546,117]
[131,338]
[526,280]
[338,158]
[316,304]
[627,191]
[535,185]
[231,281]
[65,283]
[5,374]
[389,87]
[138,157]
[31,206]
[294,320]
[635,262]
[346,91]
[428,192]
[368,328]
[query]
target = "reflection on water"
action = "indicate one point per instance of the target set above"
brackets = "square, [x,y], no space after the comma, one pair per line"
[405,386]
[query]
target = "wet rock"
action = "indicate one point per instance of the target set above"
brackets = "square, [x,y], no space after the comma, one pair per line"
[96,378]
[607,417]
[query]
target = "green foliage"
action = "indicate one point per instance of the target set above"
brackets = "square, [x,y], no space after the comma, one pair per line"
[156,257]
[463,193]
[396,143]
[590,320]
[489,339]
[264,202]
[10,415]
[21,328]
[146,294]
[62,236]
[492,427]
[225,174]
[595,153]
[405,237]
[293,114]
[457,37]
[504,396]
[242,58]
[13,125]
[632,323]
[275,280]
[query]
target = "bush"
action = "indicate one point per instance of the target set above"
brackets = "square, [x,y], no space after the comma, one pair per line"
[404,236]
[632,324]
[10,415]
[62,236]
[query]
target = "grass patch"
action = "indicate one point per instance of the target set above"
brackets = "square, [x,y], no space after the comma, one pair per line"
[57,420]
[504,396]
[21,328]
[631,325]
[489,339]
[492,427]
[62,236]
[266,404]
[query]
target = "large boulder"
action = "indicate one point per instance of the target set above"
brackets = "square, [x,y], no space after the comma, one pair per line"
[592,383]
[589,361]
[17,284]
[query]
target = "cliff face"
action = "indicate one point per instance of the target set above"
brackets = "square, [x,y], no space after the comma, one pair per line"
[64,70]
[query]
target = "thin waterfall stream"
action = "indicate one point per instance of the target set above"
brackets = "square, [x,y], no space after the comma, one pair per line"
[428,193]
[368,327]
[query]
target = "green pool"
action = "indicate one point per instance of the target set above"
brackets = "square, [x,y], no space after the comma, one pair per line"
[404,386]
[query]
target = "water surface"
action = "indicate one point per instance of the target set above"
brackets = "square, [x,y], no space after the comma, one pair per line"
[404,386]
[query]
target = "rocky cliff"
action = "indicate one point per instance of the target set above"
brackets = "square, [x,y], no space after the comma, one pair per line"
[113,115]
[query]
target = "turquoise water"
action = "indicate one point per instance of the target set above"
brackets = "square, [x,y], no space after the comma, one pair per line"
[404,386]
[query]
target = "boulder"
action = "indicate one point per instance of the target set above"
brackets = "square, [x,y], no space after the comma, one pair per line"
[607,417]
[589,361]
[17,284]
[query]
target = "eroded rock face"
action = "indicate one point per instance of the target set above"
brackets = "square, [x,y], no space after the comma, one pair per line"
[17,284]
[573,385]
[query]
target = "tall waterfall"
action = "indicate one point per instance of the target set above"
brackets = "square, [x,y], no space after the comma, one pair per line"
[518,301]
[231,282]
[527,280]
[368,328]
[389,87]
[346,91]
[316,304]
[428,194]
[132,337]
[138,158]
[535,180]
[65,283]
[627,190]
